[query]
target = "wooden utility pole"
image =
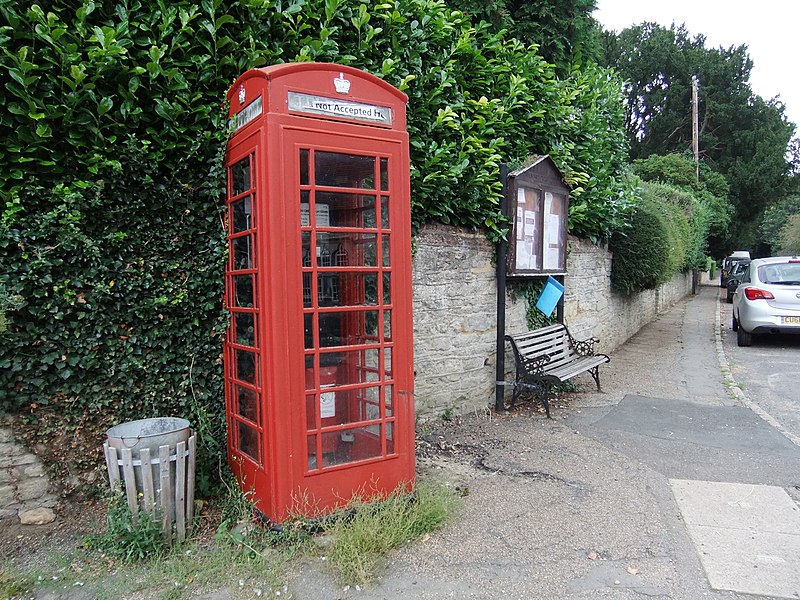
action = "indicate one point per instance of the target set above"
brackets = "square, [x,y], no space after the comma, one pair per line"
[695,140]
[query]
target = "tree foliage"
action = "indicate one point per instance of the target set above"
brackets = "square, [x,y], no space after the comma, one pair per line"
[710,192]
[565,33]
[790,236]
[741,136]
[111,168]
[775,223]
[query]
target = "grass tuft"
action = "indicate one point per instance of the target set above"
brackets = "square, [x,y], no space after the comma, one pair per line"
[365,532]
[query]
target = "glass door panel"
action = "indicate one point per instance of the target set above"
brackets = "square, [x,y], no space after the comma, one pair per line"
[347,280]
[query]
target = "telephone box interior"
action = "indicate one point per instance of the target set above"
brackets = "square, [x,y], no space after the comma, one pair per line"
[318,353]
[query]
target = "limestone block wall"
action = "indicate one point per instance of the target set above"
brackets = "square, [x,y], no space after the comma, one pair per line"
[455,297]
[591,308]
[455,323]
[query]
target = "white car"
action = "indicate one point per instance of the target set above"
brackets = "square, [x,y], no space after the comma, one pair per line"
[767,299]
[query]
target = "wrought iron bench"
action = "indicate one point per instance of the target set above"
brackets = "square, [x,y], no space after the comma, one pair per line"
[549,356]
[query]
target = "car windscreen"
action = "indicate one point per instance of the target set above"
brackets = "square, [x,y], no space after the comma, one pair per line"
[787,273]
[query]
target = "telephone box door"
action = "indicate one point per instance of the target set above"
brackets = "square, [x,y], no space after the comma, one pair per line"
[352,245]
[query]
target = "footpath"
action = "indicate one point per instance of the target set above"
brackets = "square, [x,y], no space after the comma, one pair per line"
[664,485]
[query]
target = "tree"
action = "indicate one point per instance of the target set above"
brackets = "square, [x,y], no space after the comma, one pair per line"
[775,221]
[711,190]
[790,236]
[565,32]
[742,136]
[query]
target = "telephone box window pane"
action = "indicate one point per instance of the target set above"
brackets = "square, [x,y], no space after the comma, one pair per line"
[330,329]
[387,288]
[371,326]
[240,173]
[358,366]
[246,366]
[387,325]
[248,441]
[353,323]
[390,438]
[389,401]
[306,243]
[352,289]
[328,289]
[248,403]
[350,445]
[343,249]
[304,167]
[384,174]
[307,294]
[245,329]
[385,244]
[344,170]
[385,212]
[346,210]
[305,208]
[308,328]
[243,291]
[242,214]
[312,452]
[387,364]
[311,417]
[243,253]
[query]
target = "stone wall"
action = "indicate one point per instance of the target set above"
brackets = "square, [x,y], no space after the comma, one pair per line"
[455,297]
[24,486]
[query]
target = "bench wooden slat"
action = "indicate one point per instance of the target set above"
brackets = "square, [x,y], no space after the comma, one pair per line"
[549,356]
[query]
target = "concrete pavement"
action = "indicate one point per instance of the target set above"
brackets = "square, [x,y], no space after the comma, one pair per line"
[665,485]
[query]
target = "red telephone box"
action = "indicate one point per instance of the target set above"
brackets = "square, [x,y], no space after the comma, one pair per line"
[318,355]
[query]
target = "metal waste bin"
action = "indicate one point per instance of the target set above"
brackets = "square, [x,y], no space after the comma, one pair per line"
[154,460]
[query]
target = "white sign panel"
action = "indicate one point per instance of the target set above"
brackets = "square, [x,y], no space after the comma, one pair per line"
[319,105]
[247,114]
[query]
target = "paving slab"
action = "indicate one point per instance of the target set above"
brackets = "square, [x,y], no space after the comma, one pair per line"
[747,536]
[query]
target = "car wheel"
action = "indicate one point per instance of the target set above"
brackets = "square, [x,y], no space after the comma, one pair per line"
[734,323]
[743,338]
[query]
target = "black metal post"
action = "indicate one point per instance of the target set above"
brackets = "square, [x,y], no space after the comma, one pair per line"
[560,305]
[502,249]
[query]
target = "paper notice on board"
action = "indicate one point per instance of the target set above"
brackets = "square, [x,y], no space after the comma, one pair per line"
[523,256]
[552,249]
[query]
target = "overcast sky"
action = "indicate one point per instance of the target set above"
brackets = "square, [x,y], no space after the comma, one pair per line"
[770,29]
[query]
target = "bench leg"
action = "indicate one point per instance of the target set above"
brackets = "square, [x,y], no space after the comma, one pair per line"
[546,399]
[514,395]
[596,375]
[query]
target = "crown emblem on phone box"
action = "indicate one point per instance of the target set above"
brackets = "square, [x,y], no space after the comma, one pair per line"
[341,84]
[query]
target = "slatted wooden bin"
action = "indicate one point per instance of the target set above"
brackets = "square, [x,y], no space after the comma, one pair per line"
[169,497]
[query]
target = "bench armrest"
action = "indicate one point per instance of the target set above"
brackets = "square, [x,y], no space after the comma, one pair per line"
[584,347]
[535,366]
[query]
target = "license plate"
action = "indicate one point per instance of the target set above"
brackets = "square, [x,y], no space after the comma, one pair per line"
[791,320]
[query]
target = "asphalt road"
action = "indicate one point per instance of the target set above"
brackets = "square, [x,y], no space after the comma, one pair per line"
[768,372]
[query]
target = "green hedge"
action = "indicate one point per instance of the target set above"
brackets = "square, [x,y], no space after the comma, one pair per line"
[111,233]
[666,236]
